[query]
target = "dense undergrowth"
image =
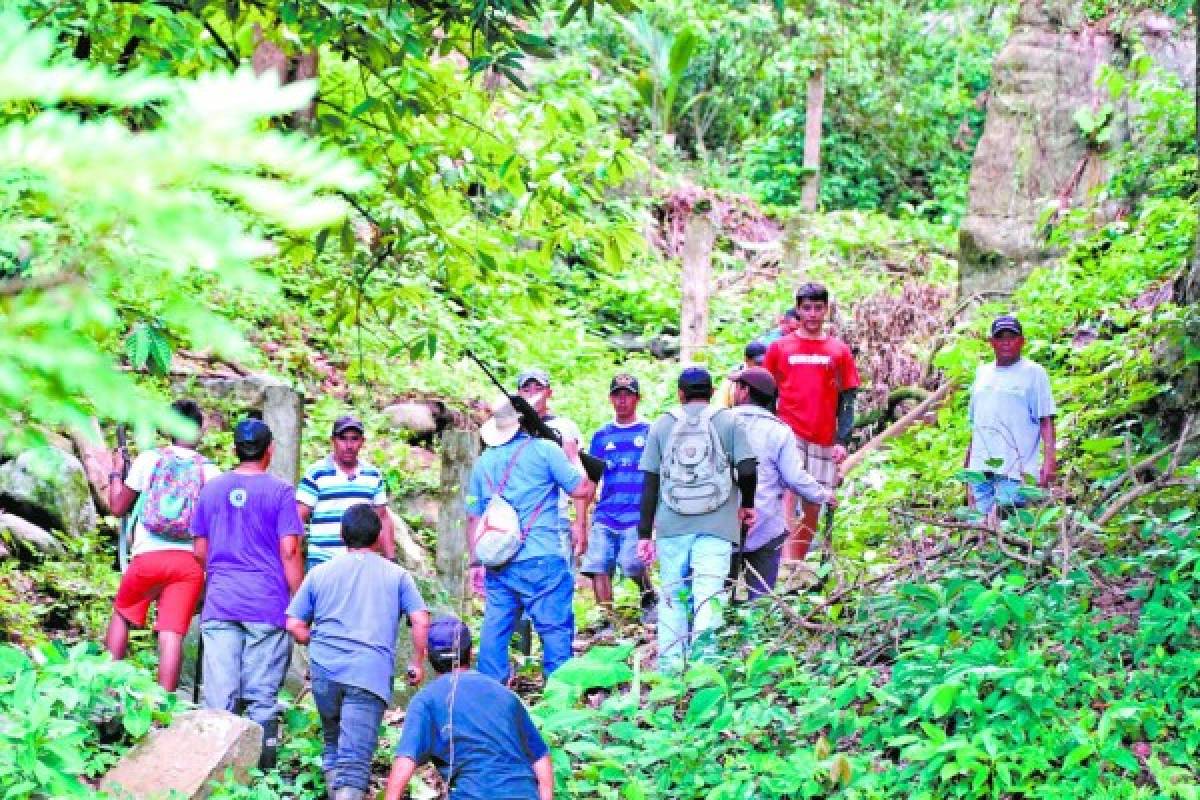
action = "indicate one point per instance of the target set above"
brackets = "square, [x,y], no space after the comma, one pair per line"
[1054,658]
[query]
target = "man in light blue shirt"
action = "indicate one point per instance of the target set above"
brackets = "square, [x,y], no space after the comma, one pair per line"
[780,469]
[1012,423]
[529,473]
[353,603]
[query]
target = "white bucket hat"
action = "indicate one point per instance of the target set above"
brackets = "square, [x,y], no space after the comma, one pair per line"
[503,425]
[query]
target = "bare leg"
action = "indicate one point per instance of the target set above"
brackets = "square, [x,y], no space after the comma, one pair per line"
[116,638]
[602,584]
[170,659]
[796,546]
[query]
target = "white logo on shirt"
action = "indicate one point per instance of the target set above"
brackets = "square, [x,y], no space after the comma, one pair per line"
[237,498]
[806,358]
[639,441]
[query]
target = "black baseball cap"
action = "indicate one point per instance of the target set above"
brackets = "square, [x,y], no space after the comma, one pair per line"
[624,382]
[1007,323]
[695,378]
[252,431]
[756,351]
[348,422]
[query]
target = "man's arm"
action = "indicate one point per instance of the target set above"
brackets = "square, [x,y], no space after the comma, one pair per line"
[420,639]
[543,771]
[402,772]
[747,481]
[299,630]
[200,549]
[293,563]
[387,533]
[647,511]
[845,424]
[305,512]
[795,477]
[1049,453]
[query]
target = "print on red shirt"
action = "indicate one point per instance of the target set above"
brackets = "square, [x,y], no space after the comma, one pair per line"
[810,373]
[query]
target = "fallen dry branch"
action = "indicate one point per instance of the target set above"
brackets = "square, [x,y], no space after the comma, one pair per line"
[1140,491]
[896,428]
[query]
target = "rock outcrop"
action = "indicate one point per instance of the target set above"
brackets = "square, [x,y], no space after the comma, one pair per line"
[48,488]
[184,758]
[1033,158]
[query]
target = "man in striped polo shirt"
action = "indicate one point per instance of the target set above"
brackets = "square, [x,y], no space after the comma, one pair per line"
[335,483]
[613,537]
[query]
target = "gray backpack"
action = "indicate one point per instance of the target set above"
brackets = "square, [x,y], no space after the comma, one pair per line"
[695,476]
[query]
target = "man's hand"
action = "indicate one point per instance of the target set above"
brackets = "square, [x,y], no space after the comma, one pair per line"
[1048,474]
[579,537]
[476,576]
[747,516]
[645,551]
[839,454]
[416,673]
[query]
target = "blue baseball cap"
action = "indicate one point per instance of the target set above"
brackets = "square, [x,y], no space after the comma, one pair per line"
[448,636]
[695,378]
[1007,323]
[252,431]
[756,351]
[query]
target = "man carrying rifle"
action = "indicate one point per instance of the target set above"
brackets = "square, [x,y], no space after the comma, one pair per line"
[528,473]
[780,468]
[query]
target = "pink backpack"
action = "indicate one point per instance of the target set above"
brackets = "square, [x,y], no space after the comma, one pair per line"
[171,498]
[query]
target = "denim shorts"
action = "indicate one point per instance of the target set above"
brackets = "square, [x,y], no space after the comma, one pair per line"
[609,548]
[999,490]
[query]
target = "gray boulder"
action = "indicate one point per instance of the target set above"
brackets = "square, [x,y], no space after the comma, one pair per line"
[184,758]
[49,488]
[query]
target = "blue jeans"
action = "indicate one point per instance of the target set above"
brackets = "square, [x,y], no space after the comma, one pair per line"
[350,717]
[245,661]
[693,569]
[998,490]
[541,587]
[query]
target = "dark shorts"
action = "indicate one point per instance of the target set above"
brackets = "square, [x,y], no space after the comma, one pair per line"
[173,578]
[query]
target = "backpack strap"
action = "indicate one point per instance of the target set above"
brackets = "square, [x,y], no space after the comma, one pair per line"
[508,470]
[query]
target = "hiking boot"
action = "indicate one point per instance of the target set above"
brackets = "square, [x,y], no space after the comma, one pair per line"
[349,793]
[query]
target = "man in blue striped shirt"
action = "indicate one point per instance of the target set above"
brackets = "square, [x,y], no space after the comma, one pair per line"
[335,483]
[613,537]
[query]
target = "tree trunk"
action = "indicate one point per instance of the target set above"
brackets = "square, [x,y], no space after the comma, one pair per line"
[459,451]
[97,462]
[698,239]
[814,114]
[1189,287]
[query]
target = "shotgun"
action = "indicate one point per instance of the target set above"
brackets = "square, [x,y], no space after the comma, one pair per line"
[535,426]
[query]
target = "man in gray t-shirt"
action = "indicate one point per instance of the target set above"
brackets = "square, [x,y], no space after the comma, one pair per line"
[347,611]
[1012,422]
[693,548]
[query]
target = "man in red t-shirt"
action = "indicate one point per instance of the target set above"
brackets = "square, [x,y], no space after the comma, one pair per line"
[817,381]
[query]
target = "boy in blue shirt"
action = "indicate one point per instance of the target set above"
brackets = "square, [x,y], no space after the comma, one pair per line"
[613,537]
[476,732]
[353,604]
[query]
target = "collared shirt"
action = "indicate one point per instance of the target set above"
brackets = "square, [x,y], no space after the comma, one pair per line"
[329,491]
[1007,407]
[779,468]
[539,474]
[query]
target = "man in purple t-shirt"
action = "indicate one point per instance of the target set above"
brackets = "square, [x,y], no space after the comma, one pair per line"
[247,534]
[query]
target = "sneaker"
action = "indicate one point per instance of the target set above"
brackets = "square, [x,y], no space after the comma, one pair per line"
[650,613]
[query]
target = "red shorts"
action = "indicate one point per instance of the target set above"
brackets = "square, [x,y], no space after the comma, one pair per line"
[173,578]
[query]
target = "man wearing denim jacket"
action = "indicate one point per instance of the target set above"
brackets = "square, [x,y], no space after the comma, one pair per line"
[537,580]
[780,469]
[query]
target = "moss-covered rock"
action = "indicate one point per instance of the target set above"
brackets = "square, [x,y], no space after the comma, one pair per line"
[48,487]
